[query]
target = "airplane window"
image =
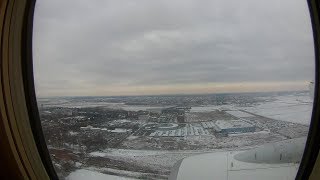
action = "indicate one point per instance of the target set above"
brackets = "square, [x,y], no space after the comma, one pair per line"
[174,89]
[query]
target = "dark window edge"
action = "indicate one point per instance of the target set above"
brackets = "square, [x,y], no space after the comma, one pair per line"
[29,88]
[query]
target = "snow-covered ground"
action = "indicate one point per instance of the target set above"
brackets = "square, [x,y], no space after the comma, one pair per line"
[83,174]
[155,159]
[290,108]
[240,114]
[127,153]
[209,108]
[296,108]
[139,107]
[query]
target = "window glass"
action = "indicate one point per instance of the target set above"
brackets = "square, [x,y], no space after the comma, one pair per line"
[131,88]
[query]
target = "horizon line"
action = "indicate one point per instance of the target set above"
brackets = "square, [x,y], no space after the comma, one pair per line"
[173,94]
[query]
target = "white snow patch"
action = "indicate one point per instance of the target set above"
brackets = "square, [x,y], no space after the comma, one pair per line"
[240,114]
[204,108]
[118,171]
[58,165]
[139,107]
[250,133]
[78,164]
[121,121]
[97,154]
[72,133]
[132,137]
[83,174]
[120,130]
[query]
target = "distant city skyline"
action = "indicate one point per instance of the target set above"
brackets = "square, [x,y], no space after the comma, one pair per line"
[109,48]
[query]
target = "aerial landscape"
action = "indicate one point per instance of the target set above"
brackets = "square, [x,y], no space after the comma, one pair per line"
[142,137]
[176,90]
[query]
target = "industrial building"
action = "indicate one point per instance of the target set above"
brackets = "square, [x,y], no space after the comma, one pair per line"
[233,126]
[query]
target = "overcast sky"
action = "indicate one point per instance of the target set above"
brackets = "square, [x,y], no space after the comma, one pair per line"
[127,47]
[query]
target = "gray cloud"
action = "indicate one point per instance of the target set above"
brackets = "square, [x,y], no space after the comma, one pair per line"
[81,44]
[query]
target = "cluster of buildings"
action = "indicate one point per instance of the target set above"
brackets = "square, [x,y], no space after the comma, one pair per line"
[176,115]
[188,130]
[170,122]
[223,127]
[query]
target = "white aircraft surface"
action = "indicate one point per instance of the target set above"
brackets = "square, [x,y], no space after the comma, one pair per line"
[276,161]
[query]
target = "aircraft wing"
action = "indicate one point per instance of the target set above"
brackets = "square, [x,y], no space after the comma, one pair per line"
[277,161]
